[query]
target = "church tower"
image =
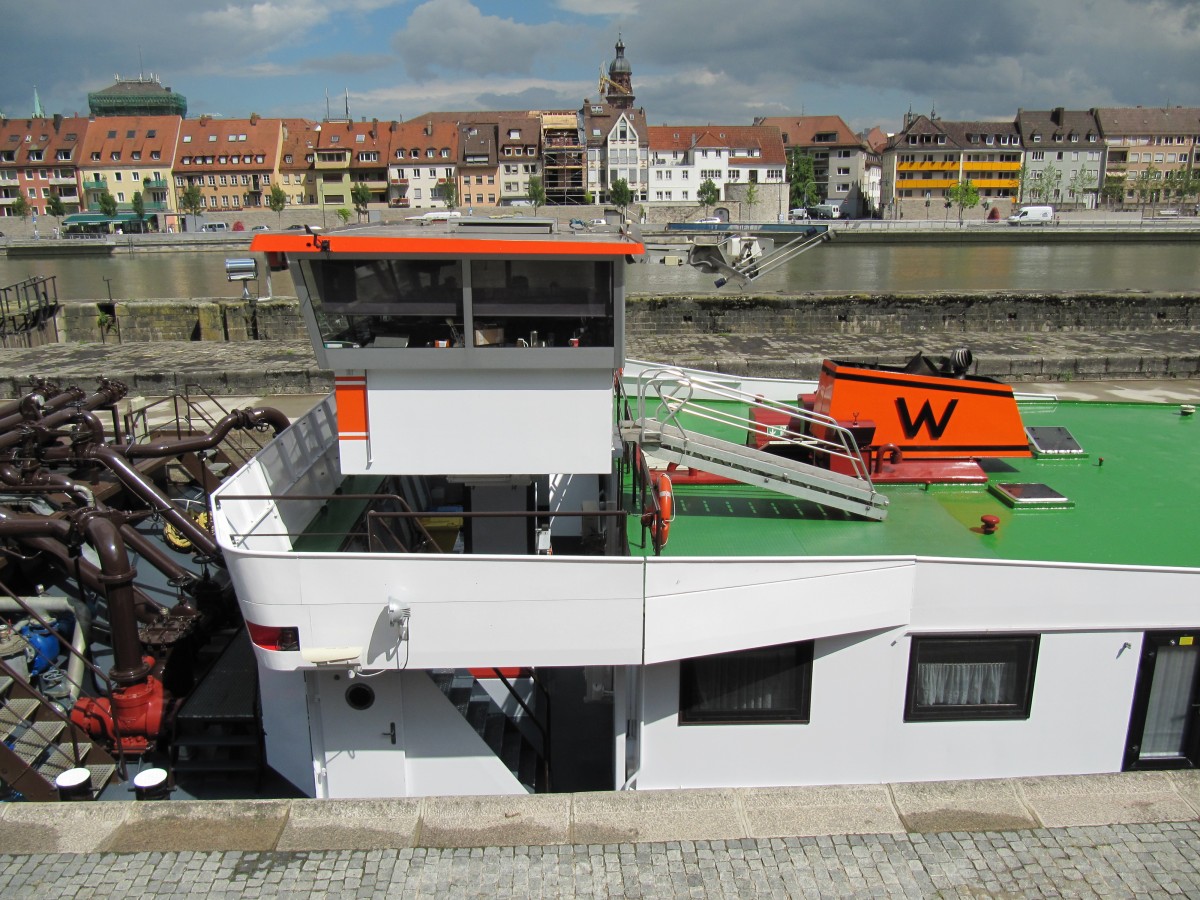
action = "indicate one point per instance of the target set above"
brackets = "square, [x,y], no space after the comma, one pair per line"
[618,87]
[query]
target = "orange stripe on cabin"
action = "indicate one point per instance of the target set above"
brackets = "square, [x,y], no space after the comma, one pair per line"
[350,393]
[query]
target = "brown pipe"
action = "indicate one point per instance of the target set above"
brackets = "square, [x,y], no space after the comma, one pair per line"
[239,418]
[48,390]
[117,575]
[153,497]
[18,431]
[157,556]
[116,581]
[80,493]
[46,535]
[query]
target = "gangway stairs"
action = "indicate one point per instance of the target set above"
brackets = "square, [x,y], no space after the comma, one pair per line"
[668,397]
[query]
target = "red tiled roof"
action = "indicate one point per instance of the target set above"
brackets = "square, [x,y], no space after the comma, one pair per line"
[227,139]
[801,131]
[126,135]
[740,140]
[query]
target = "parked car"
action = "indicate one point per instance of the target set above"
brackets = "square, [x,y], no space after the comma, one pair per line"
[261,228]
[214,226]
[577,224]
[303,228]
[709,220]
[598,222]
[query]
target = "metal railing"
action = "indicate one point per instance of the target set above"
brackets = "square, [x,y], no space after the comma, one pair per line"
[370,517]
[190,414]
[98,675]
[543,728]
[674,392]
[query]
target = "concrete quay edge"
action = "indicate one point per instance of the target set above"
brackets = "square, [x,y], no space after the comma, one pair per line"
[716,814]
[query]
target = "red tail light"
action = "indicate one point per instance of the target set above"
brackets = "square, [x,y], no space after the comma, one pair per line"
[274,637]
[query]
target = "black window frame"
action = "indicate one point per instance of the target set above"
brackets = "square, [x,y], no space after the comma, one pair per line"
[1021,649]
[801,663]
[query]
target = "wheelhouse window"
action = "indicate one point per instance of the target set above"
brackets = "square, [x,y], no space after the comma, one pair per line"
[762,685]
[536,303]
[970,677]
[388,303]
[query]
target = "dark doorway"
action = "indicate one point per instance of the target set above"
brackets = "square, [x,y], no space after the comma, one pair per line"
[1163,731]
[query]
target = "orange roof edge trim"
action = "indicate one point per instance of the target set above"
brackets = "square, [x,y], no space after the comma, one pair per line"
[419,246]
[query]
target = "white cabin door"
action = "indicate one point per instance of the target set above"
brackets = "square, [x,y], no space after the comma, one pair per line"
[361,737]
[1164,725]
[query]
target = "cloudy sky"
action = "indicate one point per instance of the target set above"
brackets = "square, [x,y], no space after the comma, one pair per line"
[694,61]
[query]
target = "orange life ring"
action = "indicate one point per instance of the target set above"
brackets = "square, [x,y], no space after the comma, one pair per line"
[666,511]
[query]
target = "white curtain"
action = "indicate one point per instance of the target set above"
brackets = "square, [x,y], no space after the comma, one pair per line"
[762,679]
[965,684]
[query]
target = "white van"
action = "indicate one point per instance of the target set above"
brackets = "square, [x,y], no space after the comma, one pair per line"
[798,214]
[214,226]
[1032,215]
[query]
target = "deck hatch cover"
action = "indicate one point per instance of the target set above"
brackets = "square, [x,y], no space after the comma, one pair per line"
[1053,440]
[1030,495]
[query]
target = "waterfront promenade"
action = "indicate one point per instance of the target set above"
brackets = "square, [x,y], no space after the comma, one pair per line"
[1128,835]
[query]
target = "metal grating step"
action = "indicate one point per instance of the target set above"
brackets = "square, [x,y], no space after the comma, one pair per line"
[102,774]
[31,744]
[60,758]
[14,715]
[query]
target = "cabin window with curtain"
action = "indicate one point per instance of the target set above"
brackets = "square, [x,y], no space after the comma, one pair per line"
[970,677]
[762,685]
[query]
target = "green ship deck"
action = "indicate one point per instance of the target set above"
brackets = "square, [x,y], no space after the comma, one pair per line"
[1133,498]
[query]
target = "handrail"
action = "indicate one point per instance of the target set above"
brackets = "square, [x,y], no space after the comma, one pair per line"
[543,730]
[183,418]
[411,514]
[97,674]
[660,381]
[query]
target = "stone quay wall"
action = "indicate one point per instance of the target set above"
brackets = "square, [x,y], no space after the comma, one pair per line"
[201,319]
[803,315]
[898,314]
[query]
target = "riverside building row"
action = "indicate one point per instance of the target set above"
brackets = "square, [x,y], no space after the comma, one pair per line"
[480,160]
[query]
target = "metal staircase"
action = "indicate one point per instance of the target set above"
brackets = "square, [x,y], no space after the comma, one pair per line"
[502,732]
[668,398]
[38,743]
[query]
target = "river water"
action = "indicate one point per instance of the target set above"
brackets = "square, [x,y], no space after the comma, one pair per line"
[901,268]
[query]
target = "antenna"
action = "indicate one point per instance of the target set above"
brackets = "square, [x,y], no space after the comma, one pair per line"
[327,104]
[347,103]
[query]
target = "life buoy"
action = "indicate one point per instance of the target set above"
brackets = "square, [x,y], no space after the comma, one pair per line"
[661,527]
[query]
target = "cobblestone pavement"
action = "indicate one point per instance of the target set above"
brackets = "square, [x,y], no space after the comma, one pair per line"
[1109,861]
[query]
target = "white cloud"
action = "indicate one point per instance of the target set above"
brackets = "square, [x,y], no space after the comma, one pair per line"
[599,7]
[448,37]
